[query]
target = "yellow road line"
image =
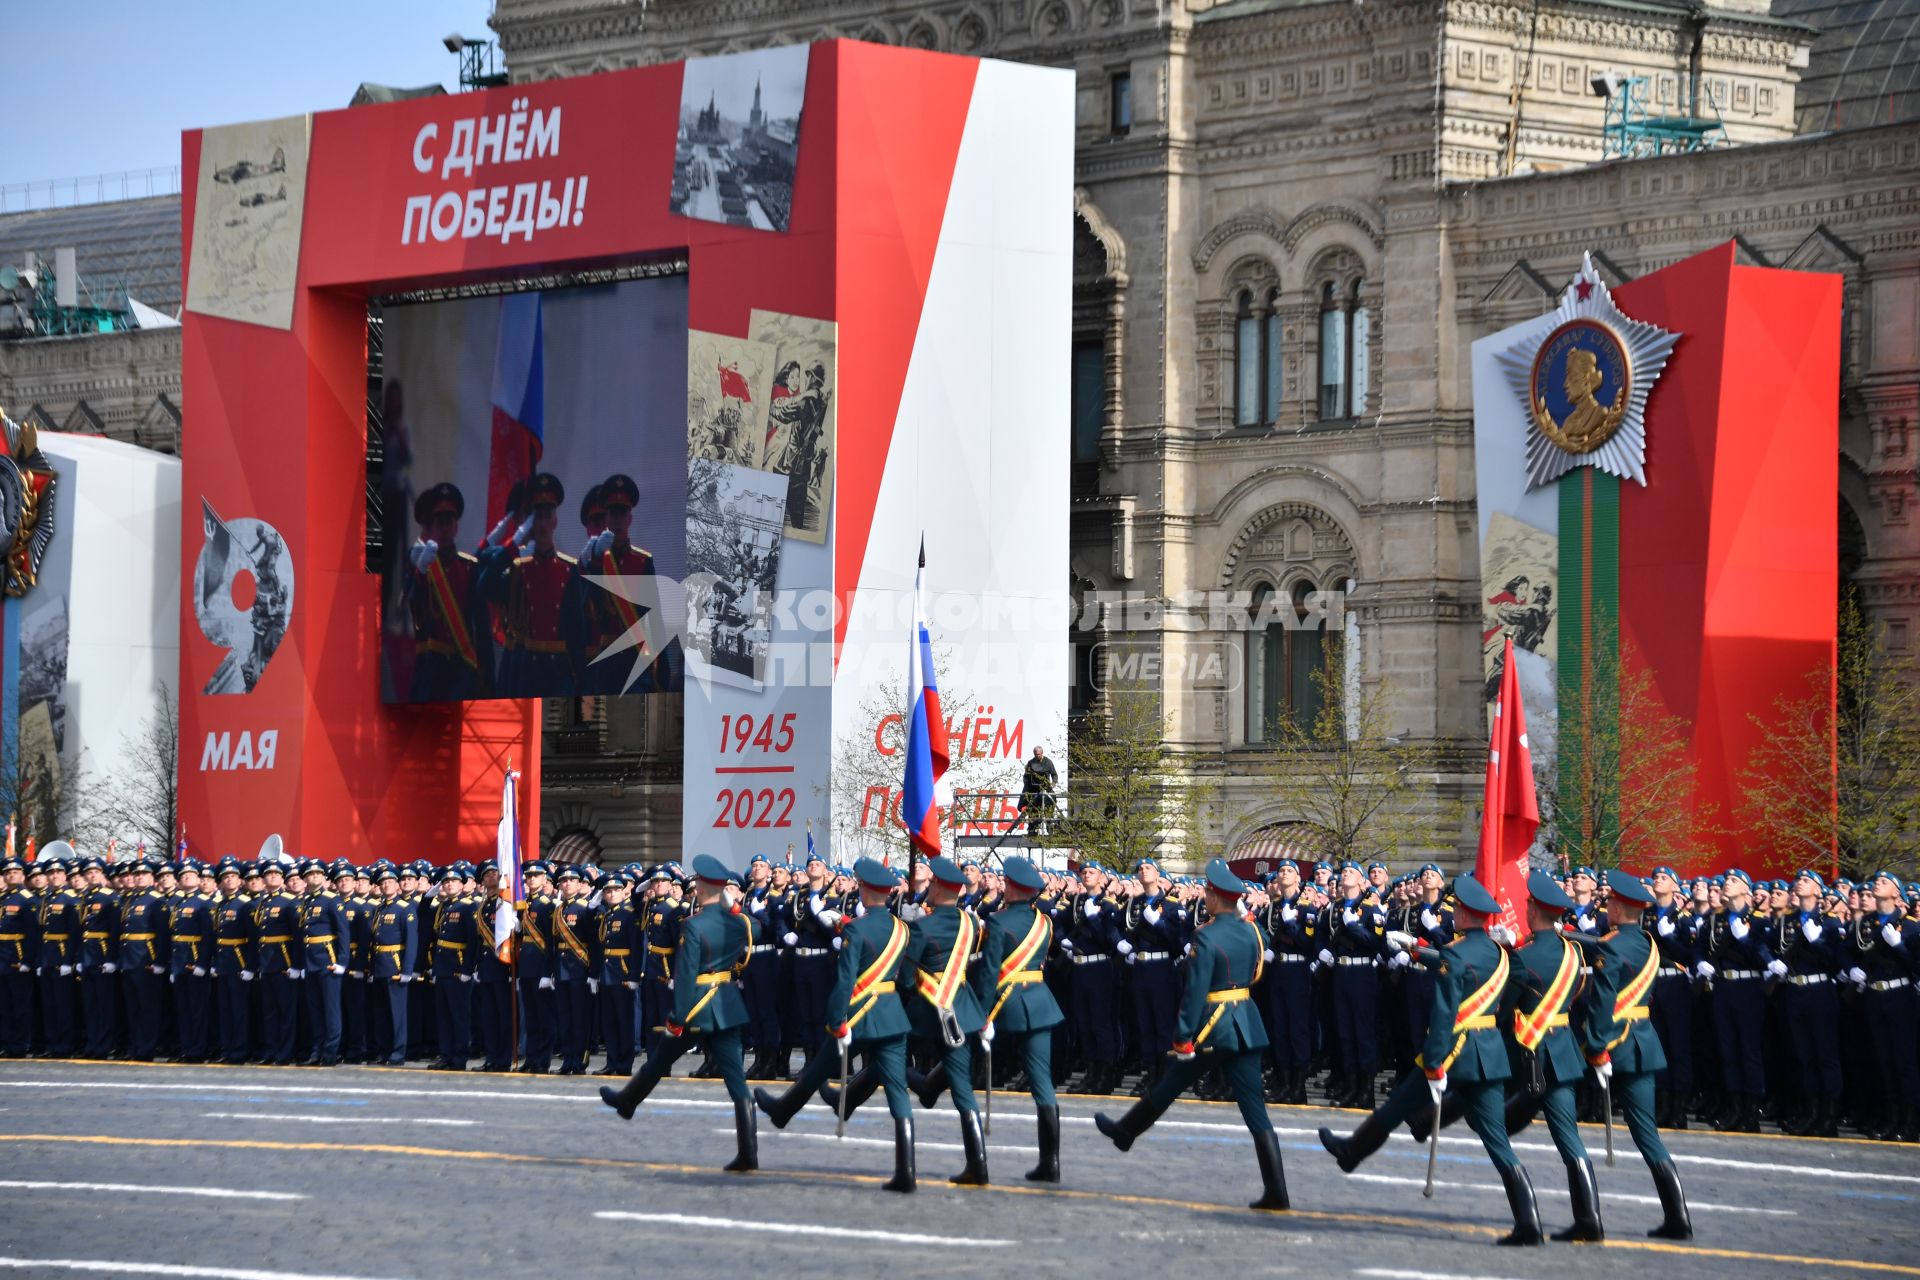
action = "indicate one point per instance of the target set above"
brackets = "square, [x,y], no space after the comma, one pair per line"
[821,1175]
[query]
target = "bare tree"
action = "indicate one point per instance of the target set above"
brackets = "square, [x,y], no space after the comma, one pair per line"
[140,803]
[1837,771]
[1626,789]
[1346,772]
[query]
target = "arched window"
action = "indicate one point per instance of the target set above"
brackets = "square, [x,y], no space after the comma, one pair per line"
[1256,360]
[1291,659]
[1344,357]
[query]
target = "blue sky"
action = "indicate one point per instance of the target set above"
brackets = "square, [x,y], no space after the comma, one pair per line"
[102,86]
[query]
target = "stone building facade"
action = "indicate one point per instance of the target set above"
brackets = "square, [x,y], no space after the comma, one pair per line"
[1293,219]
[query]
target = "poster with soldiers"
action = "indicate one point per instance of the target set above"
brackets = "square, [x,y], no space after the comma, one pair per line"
[734,517]
[1519,573]
[798,443]
[533,483]
[242,596]
[729,382]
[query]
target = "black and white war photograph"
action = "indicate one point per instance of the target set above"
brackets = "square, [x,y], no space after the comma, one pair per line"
[799,439]
[733,161]
[733,560]
[729,385]
[242,596]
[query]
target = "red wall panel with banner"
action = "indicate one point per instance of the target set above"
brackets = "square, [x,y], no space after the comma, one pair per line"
[293,226]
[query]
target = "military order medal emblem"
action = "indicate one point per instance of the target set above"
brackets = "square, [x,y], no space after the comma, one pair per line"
[1585,383]
[26,505]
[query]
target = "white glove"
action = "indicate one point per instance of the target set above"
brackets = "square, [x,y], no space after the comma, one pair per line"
[156,968]
[791,939]
[296,974]
[1502,935]
[336,969]
[1326,957]
[108,967]
[1776,968]
[1811,929]
[845,1038]
[246,975]
[1288,914]
[593,985]
[1401,960]
[1665,927]
[524,532]
[1090,909]
[1436,1088]
[497,537]
[1891,932]
[831,919]
[1857,976]
[199,971]
[1739,928]
[1267,955]
[464,977]
[545,984]
[1398,941]
[66,971]
[836,942]
[423,554]
[1124,947]
[1703,970]
[1131,959]
[1066,945]
[1605,1072]
[404,979]
[631,986]
[172,977]
[986,1034]
[598,545]
[1428,919]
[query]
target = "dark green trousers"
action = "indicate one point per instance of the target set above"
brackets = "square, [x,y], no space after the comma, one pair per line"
[1485,1111]
[1562,1122]
[888,1059]
[1242,1071]
[1636,1100]
[723,1048]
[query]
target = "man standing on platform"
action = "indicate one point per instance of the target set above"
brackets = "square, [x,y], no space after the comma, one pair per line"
[716,945]
[864,1016]
[1218,1026]
[1464,1049]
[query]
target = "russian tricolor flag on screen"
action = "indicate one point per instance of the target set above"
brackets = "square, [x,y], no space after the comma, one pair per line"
[519,400]
[926,730]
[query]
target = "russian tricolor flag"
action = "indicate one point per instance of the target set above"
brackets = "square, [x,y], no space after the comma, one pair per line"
[926,730]
[506,855]
[519,400]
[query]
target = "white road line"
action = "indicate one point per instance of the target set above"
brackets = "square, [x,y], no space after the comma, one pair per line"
[1384,1273]
[919,1144]
[215,1193]
[269,1115]
[796,1229]
[315,1089]
[120,1268]
[1606,1197]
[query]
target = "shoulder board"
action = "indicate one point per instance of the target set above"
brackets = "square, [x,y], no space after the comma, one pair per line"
[564,558]
[520,560]
[467,556]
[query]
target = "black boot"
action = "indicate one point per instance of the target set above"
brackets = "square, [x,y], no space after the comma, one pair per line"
[782,1108]
[1823,1124]
[627,1097]
[1452,1107]
[1297,1094]
[1048,1170]
[1273,1174]
[902,1156]
[747,1137]
[1526,1212]
[863,1085]
[1584,1189]
[1128,1127]
[930,1086]
[1367,1139]
[975,1141]
[1675,1223]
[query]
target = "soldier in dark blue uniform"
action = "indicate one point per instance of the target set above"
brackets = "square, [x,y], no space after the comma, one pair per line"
[233,963]
[1621,1045]
[576,972]
[191,925]
[660,925]
[1090,935]
[325,945]
[619,951]
[865,1016]
[349,884]
[1883,959]
[1463,1048]
[493,992]
[814,920]
[762,979]
[143,961]
[1808,945]
[1152,931]
[396,941]
[536,961]
[1218,1026]
[716,944]
[59,923]
[1288,987]
[282,964]
[99,951]
[19,959]
[1672,927]
[1352,950]
[1737,960]
[454,943]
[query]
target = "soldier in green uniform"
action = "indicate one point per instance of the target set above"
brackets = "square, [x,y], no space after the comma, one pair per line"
[943,1011]
[1463,1047]
[1010,981]
[864,1015]
[1218,1026]
[715,945]
[1621,1043]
